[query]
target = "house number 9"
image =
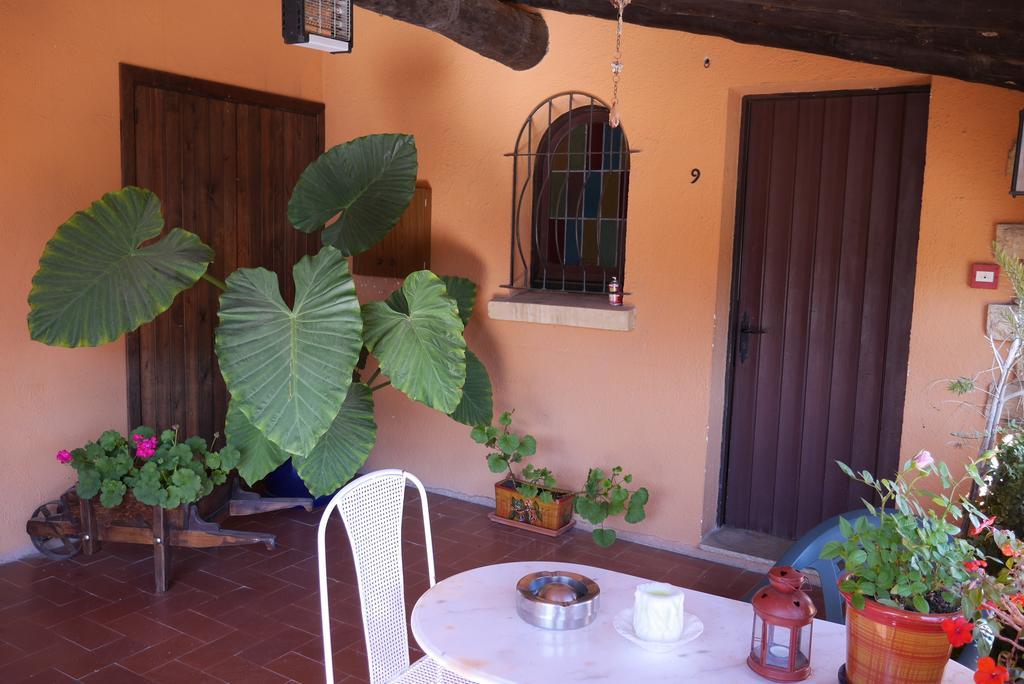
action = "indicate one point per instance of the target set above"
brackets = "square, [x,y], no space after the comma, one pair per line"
[696,176]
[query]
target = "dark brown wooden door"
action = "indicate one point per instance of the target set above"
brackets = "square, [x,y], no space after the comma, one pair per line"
[827,231]
[223,161]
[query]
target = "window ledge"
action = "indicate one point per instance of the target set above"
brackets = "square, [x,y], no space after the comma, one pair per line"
[558,308]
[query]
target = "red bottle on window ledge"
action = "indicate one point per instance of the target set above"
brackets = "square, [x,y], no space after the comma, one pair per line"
[614,292]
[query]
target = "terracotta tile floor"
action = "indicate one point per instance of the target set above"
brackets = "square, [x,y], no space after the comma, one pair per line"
[245,614]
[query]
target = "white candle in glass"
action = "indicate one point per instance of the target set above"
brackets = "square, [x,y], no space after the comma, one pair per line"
[658,612]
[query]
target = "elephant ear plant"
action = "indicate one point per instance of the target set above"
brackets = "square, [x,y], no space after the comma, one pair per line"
[294,372]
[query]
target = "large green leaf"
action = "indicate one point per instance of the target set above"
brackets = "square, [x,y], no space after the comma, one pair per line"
[288,370]
[369,181]
[258,454]
[421,350]
[477,406]
[96,282]
[344,448]
[463,291]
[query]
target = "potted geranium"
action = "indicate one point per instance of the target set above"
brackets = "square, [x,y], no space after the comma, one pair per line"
[156,470]
[531,499]
[908,578]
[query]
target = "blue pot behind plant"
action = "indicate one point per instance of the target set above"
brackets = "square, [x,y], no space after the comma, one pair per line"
[285,481]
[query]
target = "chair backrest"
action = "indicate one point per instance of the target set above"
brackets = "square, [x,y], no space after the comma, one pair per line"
[805,553]
[371,509]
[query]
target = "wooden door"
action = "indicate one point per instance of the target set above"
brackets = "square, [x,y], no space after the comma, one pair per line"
[826,247]
[223,161]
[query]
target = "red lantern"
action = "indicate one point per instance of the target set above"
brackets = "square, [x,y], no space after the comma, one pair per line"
[780,645]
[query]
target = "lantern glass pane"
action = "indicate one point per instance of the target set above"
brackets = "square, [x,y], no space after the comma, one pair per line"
[778,639]
[805,646]
[755,639]
[1019,176]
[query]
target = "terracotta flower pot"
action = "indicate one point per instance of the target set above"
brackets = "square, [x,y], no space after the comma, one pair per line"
[893,646]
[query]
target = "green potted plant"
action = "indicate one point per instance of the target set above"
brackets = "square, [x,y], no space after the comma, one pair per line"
[532,499]
[296,373]
[907,579]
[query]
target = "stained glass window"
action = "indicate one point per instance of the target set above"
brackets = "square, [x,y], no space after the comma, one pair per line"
[580,185]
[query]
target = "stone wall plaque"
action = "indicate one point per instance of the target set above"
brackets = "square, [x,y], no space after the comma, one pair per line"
[998,326]
[1010,236]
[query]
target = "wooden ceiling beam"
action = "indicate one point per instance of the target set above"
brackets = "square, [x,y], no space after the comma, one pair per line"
[980,41]
[515,37]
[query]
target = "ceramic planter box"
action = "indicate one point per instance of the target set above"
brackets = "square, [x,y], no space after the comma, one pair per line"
[512,508]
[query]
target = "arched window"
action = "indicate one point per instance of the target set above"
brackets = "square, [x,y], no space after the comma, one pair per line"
[569,207]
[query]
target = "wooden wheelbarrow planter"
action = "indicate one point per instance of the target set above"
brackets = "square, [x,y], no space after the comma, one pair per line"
[60,529]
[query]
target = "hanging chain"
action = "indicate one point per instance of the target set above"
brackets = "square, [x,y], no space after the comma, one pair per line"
[613,116]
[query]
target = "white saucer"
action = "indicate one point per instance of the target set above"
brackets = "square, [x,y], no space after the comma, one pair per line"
[692,628]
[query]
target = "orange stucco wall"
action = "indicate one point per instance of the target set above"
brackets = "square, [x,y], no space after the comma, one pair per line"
[650,399]
[60,150]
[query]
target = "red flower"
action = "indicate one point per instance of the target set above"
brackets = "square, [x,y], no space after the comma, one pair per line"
[985,524]
[990,673]
[959,631]
[975,565]
[1018,599]
[1009,551]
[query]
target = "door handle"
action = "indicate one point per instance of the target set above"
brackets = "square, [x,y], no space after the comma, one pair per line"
[744,339]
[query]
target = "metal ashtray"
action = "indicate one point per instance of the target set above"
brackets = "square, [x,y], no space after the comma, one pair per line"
[557,600]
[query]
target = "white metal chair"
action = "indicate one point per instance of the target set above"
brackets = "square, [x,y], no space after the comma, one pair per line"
[371,509]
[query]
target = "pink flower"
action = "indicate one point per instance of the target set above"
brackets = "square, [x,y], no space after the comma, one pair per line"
[923,459]
[982,526]
[144,448]
[64,456]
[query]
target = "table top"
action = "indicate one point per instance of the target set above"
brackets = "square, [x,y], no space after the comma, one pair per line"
[468,623]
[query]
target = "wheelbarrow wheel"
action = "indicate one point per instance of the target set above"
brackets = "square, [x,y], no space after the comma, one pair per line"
[56,546]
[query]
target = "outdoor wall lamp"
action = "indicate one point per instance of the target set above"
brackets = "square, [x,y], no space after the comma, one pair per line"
[1017,186]
[324,25]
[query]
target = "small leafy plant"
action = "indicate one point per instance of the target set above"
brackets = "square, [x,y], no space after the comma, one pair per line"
[159,470]
[915,559]
[603,495]
[606,495]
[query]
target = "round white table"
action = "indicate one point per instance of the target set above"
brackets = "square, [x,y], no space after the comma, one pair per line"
[468,623]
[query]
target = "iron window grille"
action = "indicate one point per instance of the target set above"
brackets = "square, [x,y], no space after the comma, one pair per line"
[570,182]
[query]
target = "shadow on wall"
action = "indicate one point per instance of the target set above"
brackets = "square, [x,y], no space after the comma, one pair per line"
[451,257]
